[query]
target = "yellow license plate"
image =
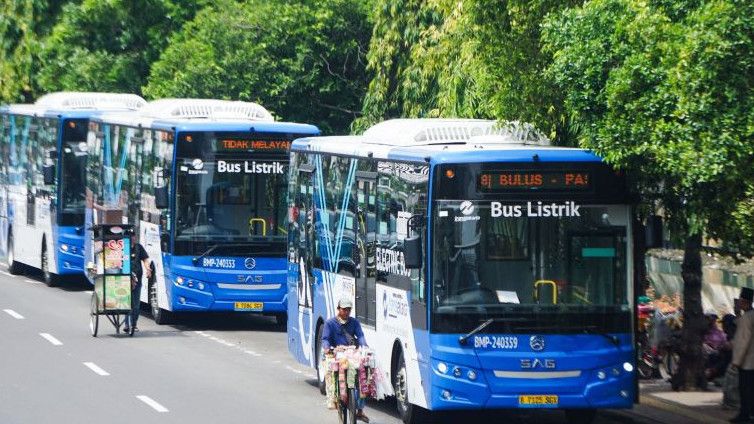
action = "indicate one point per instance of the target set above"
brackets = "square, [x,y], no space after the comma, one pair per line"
[249,306]
[538,400]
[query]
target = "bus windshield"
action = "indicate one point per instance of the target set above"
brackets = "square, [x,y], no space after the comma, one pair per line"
[234,197]
[557,266]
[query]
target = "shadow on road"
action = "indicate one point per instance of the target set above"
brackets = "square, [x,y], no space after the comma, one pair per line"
[226,322]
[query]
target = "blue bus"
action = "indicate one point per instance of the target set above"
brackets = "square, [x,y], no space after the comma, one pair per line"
[42,173]
[204,183]
[488,269]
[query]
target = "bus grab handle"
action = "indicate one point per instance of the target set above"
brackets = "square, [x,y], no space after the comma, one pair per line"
[258,220]
[550,283]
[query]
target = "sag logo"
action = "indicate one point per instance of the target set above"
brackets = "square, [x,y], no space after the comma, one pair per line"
[537,343]
[467,208]
[197,164]
[250,263]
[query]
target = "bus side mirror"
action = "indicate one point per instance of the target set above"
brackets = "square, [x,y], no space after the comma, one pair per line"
[653,232]
[48,174]
[161,197]
[164,241]
[412,252]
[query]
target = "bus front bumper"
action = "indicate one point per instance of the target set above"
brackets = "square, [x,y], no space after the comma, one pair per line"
[187,299]
[612,393]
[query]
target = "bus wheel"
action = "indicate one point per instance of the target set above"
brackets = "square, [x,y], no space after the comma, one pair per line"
[160,316]
[580,416]
[318,361]
[410,414]
[48,277]
[281,320]
[13,266]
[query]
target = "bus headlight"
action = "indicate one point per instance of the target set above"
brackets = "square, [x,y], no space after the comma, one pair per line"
[601,375]
[64,247]
[471,374]
[457,372]
[201,286]
[628,366]
[179,281]
[442,367]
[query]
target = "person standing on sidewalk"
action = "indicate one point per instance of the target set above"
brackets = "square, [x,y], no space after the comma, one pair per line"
[743,356]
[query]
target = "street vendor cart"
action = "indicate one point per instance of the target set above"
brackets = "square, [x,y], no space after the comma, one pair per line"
[351,374]
[111,297]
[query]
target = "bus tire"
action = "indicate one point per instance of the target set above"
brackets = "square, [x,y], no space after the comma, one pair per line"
[48,277]
[281,320]
[14,267]
[159,315]
[580,416]
[409,413]
[318,360]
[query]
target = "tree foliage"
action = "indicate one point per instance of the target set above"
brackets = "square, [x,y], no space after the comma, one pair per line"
[305,61]
[23,24]
[666,91]
[476,58]
[109,45]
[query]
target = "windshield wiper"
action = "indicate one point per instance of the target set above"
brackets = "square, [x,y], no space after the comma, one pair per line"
[613,339]
[207,252]
[462,340]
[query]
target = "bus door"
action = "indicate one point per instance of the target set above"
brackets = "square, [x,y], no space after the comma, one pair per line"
[366,242]
[306,237]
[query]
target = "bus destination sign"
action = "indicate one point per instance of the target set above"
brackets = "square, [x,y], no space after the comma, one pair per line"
[272,146]
[493,181]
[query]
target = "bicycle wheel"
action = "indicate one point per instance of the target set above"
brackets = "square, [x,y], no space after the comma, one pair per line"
[352,398]
[342,412]
[93,316]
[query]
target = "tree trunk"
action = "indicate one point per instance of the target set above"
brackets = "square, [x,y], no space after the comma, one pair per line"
[691,372]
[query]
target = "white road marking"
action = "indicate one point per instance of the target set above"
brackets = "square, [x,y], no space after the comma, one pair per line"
[152,403]
[252,353]
[51,339]
[6,273]
[13,313]
[87,291]
[32,281]
[289,368]
[92,366]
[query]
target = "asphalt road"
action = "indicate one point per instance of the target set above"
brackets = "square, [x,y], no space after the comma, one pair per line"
[205,369]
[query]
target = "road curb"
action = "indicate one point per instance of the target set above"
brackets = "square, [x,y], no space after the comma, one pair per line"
[678,409]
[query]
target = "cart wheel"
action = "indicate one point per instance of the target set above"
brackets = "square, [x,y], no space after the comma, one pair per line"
[93,316]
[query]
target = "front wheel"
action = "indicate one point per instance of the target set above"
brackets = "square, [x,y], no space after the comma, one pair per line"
[49,278]
[13,266]
[93,316]
[318,361]
[352,398]
[580,416]
[409,413]
[160,316]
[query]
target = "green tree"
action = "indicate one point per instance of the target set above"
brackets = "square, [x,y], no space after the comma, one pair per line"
[22,25]
[477,58]
[109,45]
[666,91]
[305,61]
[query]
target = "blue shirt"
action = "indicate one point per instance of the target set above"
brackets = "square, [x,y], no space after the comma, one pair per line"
[334,335]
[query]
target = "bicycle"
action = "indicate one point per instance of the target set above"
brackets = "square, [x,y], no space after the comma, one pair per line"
[345,360]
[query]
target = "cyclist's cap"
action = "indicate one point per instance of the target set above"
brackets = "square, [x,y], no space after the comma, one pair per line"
[345,303]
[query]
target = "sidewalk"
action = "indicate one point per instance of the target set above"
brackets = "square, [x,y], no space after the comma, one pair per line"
[701,407]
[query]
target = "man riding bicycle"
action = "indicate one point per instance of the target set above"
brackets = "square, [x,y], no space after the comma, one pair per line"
[345,330]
